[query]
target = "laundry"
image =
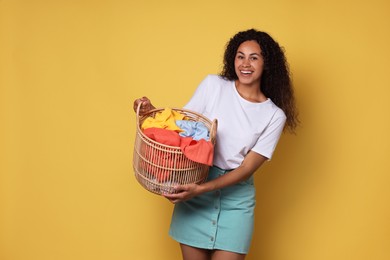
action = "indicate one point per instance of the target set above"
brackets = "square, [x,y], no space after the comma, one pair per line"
[196,130]
[165,119]
[201,151]
[163,136]
[172,129]
[157,162]
[159,166]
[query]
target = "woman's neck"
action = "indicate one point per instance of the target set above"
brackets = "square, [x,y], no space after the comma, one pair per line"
[250,93]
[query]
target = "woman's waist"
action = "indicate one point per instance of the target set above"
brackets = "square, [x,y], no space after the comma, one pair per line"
[216,172]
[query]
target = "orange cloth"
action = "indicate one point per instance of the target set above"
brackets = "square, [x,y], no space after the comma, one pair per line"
[163,136]
[156,165]
[162,160]
[160,164]
[201,151]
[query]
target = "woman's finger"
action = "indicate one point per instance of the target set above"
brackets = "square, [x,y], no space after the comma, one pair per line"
[135,104]
[143,100]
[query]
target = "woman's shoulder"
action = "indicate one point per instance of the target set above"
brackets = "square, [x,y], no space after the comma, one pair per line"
[278,112]
[214,78]
[213,83]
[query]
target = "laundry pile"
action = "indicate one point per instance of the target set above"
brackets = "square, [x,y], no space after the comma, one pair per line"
[172,128]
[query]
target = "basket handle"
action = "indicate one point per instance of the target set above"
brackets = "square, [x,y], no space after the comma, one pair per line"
[138,109]
[213,131]
[137,115]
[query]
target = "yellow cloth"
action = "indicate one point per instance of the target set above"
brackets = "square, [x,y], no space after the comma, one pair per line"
[165,119]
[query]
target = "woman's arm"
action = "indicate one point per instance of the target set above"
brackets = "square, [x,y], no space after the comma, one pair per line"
[251,163]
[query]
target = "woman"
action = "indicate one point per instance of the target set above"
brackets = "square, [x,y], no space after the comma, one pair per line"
[253,101]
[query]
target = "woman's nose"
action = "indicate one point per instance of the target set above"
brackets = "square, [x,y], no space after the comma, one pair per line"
[246,62]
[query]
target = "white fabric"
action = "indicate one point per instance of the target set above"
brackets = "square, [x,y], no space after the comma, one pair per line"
[242,125]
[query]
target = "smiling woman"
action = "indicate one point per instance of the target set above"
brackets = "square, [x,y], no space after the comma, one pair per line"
[209,216]
[275,82]
[68,69]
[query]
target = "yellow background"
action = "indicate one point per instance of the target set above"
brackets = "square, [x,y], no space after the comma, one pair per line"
[70,70]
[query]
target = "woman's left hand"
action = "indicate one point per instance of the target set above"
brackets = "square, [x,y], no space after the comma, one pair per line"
[184,192]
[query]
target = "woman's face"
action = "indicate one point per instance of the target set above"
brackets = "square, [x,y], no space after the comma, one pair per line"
[249,63]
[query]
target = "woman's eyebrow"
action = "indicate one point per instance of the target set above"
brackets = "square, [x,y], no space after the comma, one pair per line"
[240,52]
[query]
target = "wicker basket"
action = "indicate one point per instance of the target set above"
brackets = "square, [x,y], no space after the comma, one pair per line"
[158,167]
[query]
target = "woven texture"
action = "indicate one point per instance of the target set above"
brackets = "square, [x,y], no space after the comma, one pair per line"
[158,167]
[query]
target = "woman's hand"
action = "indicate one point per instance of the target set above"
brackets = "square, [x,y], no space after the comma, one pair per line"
[145,106]
[185,192]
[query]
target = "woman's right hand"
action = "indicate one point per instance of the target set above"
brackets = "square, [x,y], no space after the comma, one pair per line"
[145,106]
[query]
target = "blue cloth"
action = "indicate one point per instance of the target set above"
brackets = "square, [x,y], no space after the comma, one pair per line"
[221,219]
[196,130]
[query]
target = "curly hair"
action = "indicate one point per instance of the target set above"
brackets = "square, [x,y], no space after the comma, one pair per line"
[275,81]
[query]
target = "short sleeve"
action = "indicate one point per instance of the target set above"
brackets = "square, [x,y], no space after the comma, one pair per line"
[268,140]
[200,98]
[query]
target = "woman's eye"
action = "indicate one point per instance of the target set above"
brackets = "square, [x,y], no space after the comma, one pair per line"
[253,58]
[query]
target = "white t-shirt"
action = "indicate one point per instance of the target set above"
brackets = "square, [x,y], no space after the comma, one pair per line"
[242,125]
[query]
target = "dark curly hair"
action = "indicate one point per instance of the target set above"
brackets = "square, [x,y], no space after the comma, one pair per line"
[275,81]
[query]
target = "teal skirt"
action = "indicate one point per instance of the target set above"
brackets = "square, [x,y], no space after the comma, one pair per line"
[221,219]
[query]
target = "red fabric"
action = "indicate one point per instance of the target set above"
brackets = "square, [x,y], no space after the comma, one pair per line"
[163,136]
[201,151]
[153,161]
[198,151]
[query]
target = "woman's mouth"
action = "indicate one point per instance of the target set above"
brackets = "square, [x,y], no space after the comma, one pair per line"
[246,72]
